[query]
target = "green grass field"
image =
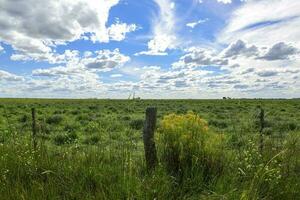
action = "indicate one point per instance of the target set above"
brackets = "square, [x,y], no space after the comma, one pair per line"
[93,149]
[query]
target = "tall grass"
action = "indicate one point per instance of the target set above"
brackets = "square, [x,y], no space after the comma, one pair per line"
[105,160]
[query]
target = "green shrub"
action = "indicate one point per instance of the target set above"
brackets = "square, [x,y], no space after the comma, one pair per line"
[66,138]
[218,124]
[75,112]
[137,124]
[126,118]
[71,127]
[83,117]
[24,119]
[92,140]
[92,127]
[45,128]
[93,107]
[55,119]
[186,143]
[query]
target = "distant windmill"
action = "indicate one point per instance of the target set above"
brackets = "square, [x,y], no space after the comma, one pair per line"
[133,96]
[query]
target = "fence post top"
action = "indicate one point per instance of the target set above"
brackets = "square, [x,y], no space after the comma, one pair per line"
[151,109]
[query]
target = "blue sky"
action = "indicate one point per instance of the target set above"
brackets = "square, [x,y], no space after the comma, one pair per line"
[155,48]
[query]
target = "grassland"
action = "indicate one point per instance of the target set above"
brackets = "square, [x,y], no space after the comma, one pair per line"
[93,149]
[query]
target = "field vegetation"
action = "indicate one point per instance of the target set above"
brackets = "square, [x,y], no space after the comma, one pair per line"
[93,149]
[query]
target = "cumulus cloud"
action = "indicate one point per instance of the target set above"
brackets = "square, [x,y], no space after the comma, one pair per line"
[280,51]
[247,71]
[156,79]
[119,30]
[79,75]
[34,32]
[197,57]
[57,71]
[52,58]
[221,81]
[267,73]
[104,60]
[80,84]
[275,72]
[6,76]
[240,48]
[212,70]
[164,36]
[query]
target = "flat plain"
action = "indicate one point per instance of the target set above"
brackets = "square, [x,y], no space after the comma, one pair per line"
[206,149]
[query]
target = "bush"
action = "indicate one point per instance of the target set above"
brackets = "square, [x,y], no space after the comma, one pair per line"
[137,124]
[126,118]
[218,124]
[92,140]
[185,143]
[92,127]
[65,138]
[75,112]
[55,119]
[24,118]
[71,127]
[45,128]
[83,117]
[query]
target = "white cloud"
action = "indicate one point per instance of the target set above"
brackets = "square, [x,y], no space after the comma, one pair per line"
[52,58]
[159,45]
[79,76]
[267,73]
[280,51]
[194,24]
[1,49]
[271,23]
[6,76]
[164,37]
[57,71]
[259,60]
[242,70]
[119,30]
[116,75]
[224,1]
[104,60]
[199,57]
[240,48]
[78,84]
[33,32]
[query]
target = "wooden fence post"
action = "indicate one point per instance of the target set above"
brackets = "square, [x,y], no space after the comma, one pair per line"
[148,137]
[33,128]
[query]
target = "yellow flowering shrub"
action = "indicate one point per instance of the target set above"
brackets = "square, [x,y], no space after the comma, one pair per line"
[185,141]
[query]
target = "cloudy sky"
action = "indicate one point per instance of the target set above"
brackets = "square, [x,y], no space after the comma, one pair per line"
[155,48]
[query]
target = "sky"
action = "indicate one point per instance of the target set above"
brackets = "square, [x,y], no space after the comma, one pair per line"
[154,48]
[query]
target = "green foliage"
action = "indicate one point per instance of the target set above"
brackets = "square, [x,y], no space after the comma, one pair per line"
[218,123]
[137,124]
[55,119]
[92,140]
[187,145]
[66,138]
[94,150]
